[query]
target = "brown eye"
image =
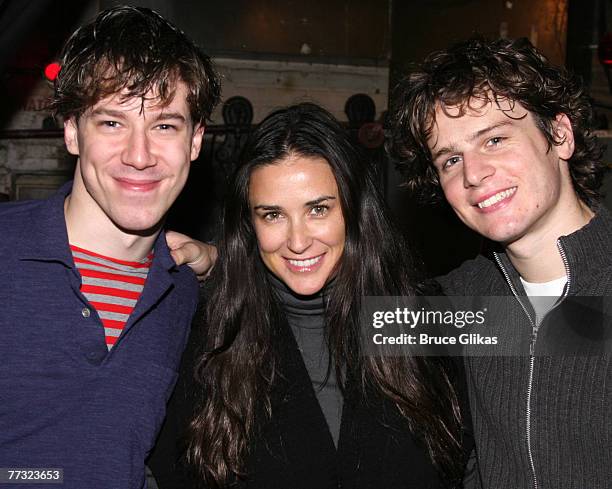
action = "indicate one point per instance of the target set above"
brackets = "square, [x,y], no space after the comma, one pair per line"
[271,216]
[451,162]
[111,124]
[319,210]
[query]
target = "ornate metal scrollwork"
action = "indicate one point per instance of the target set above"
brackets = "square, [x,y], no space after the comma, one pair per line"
[368,133]
[237,115]
[360,109]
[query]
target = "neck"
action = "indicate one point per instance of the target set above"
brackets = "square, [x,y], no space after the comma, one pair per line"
[536,256]
[90,228]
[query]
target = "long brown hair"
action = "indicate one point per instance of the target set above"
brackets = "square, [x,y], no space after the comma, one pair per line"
[240,365]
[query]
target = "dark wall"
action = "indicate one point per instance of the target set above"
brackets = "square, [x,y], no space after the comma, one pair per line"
[422,26]
[336,31]
[333,29]
[582,32]
[31,34]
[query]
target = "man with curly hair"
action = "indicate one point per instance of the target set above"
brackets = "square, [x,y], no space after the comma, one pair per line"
[506,138]
[95,313]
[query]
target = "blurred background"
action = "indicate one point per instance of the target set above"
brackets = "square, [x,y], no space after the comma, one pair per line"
[345,55]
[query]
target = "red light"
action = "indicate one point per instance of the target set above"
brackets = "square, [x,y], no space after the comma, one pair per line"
[51,71]
[605,49]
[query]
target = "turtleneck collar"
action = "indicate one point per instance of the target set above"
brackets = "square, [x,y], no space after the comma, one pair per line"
[300,305]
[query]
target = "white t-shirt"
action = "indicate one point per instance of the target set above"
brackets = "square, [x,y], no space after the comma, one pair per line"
[543,296]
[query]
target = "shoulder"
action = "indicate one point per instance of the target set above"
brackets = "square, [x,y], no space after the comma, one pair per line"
[14,212]
[471,277]
[186,288]
[17,221]
[588,252]
[185,283]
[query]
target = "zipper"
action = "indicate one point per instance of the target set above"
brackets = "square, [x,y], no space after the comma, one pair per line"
[534,335]
[528,416]
[567,272]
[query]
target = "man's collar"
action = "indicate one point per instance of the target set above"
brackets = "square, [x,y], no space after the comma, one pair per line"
[46,238]
[502,259]
[162,256]
[588,248]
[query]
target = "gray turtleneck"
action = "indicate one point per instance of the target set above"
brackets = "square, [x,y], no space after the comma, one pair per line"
[306,316]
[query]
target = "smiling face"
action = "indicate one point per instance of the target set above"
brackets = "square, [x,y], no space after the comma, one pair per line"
[297,216]
[497,171]
[133,160]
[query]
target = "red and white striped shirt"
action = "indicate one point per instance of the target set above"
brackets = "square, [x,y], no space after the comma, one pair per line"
[111,286]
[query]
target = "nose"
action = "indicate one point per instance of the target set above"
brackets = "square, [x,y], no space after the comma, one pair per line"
[299,238]
[476,169]
[137,152]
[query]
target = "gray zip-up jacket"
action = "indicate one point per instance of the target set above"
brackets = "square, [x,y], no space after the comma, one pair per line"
[542,422]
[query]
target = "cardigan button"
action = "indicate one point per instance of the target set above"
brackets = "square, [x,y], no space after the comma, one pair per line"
[85,312]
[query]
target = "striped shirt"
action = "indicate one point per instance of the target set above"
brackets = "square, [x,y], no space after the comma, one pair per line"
[112,287]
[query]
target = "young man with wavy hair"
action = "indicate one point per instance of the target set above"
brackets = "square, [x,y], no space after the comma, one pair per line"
[95,313]
[506,138]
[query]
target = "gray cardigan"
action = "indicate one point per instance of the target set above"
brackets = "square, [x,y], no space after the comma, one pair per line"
[545,421]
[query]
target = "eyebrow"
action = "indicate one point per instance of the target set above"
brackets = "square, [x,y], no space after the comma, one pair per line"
[318,200]
[265,207]
[488,129]
[323,198]
[118,114]
[170,115]
[452,148]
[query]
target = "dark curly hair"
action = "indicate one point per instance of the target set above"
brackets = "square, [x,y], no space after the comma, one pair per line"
[133,51]
[508,70]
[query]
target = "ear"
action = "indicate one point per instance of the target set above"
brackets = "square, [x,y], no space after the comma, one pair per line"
[196,140]
[71,136]
[564,134]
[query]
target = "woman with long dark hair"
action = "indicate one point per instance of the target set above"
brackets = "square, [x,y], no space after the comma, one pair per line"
[287,397]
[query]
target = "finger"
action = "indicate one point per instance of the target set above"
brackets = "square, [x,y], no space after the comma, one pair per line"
[191,253]
[176,240]
[178,256]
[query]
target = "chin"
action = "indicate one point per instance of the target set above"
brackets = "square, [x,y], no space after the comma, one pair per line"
[139,225]
[505,234]
[498,230]
[310,288]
